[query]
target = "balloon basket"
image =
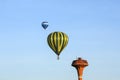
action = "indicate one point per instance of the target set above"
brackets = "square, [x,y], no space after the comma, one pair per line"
[58,58]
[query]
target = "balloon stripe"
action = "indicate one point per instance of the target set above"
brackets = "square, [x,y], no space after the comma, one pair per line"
[66,41]
[51,42]
[54,42]
[57,43]
[58,35]
[61,41]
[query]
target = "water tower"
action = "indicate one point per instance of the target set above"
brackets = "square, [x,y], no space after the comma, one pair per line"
[80,64]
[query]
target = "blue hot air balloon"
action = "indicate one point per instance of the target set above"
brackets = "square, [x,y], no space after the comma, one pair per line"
[44,24]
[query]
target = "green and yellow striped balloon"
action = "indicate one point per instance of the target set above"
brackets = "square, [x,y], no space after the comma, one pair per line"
[57,41]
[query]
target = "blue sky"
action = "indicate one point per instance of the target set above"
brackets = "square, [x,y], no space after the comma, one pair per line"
[93,28]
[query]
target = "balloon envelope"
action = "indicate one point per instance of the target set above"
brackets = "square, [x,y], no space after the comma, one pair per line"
[57,41]
[44,24]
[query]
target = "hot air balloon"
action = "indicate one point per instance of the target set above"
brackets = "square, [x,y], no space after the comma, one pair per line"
[57,41]
[44,24]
